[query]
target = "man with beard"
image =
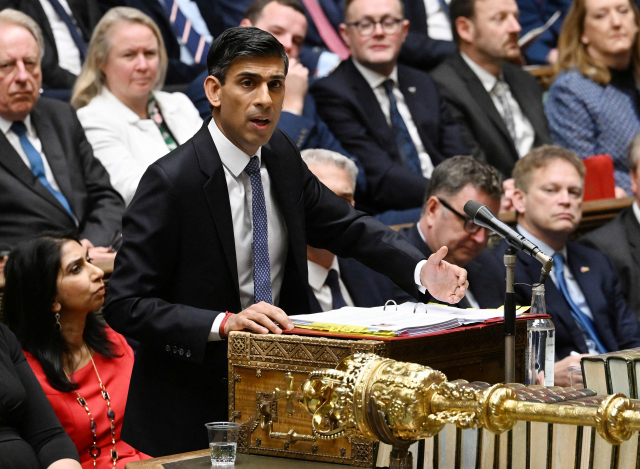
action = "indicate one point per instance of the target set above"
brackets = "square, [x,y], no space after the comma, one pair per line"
[498,105]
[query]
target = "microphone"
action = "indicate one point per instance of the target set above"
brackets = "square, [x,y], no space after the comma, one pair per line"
[483,216]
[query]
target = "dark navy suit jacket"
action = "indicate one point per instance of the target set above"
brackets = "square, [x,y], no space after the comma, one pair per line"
[484,273]
[348,105]
[534,14]
[366,287]
[595,273]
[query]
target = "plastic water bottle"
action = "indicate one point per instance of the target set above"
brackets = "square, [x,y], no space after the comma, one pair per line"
[541,349]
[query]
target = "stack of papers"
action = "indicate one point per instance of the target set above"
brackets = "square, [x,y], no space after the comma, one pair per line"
[407,319]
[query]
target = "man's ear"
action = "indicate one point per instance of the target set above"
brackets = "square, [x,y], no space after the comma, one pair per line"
[465,29]
[245,22]
[212,89]
[518,200]
[634,184]
[431,210]
[344,34]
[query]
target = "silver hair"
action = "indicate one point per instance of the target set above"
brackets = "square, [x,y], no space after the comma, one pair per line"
[634,150]
[321,156]
[11,16]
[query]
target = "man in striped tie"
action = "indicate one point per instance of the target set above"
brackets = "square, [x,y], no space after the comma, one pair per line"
[583,294]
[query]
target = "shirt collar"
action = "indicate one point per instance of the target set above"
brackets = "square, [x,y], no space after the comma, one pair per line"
[544,247]
[636,210]
[234,159]
[374,78]
[487,79]
[5,126]
[318,274]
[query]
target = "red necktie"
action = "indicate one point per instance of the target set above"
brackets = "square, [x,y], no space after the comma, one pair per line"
[327,33]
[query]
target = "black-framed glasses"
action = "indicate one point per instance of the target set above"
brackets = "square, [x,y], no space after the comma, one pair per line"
[469,226]
[366,27]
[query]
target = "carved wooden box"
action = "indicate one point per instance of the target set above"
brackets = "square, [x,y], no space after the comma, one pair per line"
[265,371]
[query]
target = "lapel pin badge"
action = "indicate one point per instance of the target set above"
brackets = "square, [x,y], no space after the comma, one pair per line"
[584,269]
[412,89]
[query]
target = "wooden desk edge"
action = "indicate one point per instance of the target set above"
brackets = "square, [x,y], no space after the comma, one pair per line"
[157,463]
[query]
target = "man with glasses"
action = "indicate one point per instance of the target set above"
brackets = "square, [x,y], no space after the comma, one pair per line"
[443,223]
[389,116]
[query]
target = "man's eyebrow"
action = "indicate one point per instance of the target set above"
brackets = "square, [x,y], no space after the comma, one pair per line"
[257,75]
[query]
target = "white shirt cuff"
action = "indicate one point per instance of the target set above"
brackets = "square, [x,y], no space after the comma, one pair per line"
[416,276]
[215,329]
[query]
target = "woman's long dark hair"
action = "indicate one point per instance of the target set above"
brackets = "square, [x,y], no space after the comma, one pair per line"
[31,284]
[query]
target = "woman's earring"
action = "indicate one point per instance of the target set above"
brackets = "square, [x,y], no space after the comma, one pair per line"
[57,324]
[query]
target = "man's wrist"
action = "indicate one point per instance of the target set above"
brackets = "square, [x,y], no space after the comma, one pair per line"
[416,276]
[224,321]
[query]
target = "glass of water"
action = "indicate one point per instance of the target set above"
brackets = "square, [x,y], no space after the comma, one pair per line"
[223,440]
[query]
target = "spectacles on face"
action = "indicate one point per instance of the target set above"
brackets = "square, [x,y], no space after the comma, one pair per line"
[366,27]
[469,226]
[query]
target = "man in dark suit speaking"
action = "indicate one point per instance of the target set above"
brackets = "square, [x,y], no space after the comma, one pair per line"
[221,226]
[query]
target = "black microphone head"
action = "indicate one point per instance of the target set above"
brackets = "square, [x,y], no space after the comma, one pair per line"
[471,208]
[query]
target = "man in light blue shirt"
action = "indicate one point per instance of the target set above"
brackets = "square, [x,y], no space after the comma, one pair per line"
[583,296]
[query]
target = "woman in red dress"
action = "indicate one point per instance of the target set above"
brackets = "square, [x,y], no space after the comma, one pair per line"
[52,298]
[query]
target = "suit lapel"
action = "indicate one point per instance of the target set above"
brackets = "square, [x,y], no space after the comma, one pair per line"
[217,195]
[416,100]
[632,230]
[55,154]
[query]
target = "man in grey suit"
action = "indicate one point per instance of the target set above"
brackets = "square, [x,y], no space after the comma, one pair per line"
[498,105]
[620,238]
[49,179]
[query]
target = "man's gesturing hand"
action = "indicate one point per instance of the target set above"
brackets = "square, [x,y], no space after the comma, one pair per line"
[259,318]
[445,281]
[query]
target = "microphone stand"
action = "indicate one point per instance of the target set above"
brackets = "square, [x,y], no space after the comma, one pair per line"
[510,317]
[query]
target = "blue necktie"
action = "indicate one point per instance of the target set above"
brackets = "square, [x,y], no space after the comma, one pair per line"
[73,30]
[333,283]
[37,166]
[585,322]
[261,265]
[445,8]
[196,44]
[404,144]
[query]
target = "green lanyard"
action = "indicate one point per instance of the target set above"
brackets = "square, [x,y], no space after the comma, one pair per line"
[156,116]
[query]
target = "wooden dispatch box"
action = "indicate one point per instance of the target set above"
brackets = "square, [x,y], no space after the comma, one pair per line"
[258,364]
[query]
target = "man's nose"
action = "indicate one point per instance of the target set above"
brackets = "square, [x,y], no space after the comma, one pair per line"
[377,29]
[22,74]
[263,96]
[287,43]
[514,24]
[481,236]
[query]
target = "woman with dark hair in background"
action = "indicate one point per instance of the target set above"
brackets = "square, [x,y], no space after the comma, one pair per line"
[52,297]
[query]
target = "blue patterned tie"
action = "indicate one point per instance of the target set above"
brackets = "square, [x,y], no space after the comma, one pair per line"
[37,166]
[582,319]
[261,265]
[196,44]
[404,144]
[333,283]
[81,44]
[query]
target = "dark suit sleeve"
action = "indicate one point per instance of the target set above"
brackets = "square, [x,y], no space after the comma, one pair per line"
[422,52]
[105,206]
[384,175]
[451,132]
[145,265]
[624,322]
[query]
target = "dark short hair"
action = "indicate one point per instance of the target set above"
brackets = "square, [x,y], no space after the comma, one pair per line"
[454,174]
[31,285]
[540,157]
[457,9]
[254,10]
[242,42]
[347,4]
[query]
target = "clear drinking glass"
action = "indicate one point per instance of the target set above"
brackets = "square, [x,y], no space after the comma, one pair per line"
[223,440]
[575,374]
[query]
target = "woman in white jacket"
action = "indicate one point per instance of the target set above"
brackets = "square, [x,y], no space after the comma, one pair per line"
[129,123]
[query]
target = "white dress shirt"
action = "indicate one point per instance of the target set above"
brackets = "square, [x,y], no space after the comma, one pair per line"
[68,53]
[636,210]
[318,277]
[572,285]
[14,140]
[438,23]
[375,81]
[234,161]
[525,135]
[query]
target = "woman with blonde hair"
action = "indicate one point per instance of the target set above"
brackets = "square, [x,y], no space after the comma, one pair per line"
[593,105]
[127,120]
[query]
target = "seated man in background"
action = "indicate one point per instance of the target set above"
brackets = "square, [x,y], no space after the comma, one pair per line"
[336,281]
[391,117]
[583,295]
[66,28]
[620,238]
[453,183]
[497,104]
[286,20]
[49,179]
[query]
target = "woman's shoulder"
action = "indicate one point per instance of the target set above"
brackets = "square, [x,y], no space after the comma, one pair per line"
[574,80]
[174,102]
[105,107]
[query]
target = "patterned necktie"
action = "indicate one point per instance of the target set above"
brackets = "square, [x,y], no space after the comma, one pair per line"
[500,90]
[196,44]
[404,144]
[333,282]
[582,319]
[37,166]
[329,35]
[81,44]
[261,264]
